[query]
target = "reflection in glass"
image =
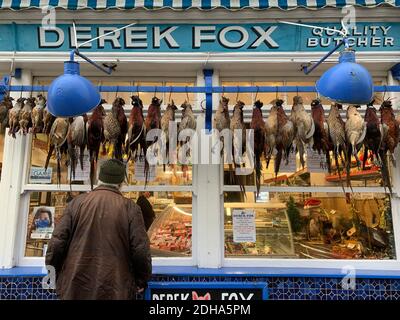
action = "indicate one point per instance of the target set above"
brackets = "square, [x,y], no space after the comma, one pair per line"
[170,234]
[315,226]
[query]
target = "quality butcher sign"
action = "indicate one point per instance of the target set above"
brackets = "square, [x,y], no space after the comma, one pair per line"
[228,291]
[266,37]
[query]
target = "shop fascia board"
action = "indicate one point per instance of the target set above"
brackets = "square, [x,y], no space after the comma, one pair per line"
[166,15]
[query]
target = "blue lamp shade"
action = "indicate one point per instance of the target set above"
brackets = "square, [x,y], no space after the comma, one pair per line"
[396,71]
[347,82]
[71,95]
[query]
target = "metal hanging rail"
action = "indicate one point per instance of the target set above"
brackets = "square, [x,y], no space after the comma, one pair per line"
[191,89]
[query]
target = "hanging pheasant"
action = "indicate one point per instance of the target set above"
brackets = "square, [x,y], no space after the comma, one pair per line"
[258,125]
[188,121]
[37,116]
[391,131]
[167,117]
[25,117]
[222,120]
[5,107]
[48,118]
[14,117]
[271,130]
[322,143]
[304,127]
[57,138]
[76,138]
[95,137]
[284,138]
[136,143]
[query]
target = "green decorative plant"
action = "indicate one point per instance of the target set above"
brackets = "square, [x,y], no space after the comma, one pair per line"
[294,215]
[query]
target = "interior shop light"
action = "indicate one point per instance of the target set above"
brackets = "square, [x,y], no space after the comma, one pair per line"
[71,94]
[346,82]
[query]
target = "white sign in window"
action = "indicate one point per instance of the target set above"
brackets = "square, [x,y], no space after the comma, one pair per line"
[244,225]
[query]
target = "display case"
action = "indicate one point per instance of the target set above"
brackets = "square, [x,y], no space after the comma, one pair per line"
[273,232]
[171,232]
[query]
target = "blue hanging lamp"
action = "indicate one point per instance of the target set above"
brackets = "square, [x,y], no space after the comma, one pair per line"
[72,95]
[347,82]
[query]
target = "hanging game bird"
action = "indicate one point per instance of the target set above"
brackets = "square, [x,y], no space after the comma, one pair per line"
[57,137]
[167,117]
[321,139]
[391,131]
[188,121]
[25,117]
[373,143]
[48,118]
[95,137]
[112,130]
[118,106]
[304,127]
[271,130]
[222,120]
[136,143]
[14,117]
[5,107]
[37,115]
[76,138]
[284,138]
[258,125]
[355,129]
[337,134]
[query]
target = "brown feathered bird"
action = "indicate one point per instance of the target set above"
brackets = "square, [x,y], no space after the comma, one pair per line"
[271,130]
[355,129]
[373,143]
[14,116]
[284,138]
[112,130]
[5,107]
[337,134]
[48,118]
[37,115]
[57,138]
[25,118]
[221,123]
[258,125]
[95,137]
[188,121]
[322,143]
[136,143]
[391,129]
[304,127]
[167,117]
[238,127]
[76,139]
[118,106]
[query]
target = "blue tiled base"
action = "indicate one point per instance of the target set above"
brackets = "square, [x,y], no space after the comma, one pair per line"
[280,288]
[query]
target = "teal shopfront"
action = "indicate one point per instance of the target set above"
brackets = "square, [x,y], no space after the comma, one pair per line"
[311,240]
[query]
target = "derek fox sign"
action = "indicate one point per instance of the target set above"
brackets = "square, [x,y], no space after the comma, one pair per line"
[376,36]
[231,291]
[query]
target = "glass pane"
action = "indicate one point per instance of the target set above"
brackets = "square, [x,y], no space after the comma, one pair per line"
[158,175]
[244,97]
[310,226]
[315,172]
[170,233]
[110,96]
[180,98]
[267,97]
[147,96]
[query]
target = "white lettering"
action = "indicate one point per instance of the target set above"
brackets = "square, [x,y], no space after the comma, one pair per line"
[132,34]
[49,44]
[375,42]
[198,37]
[113,37]
[264,37]
[166,35]
[229,44]
[385,30]
[312,42]
[389,41]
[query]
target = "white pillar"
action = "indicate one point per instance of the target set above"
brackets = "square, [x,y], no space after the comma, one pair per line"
[209,202]
[10,186]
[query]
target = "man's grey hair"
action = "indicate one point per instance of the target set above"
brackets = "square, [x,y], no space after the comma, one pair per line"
[112,185]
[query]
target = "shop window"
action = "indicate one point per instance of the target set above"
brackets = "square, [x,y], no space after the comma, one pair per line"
[267,97]
[244,97]
[299,225]
[170,234]
[179,98]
